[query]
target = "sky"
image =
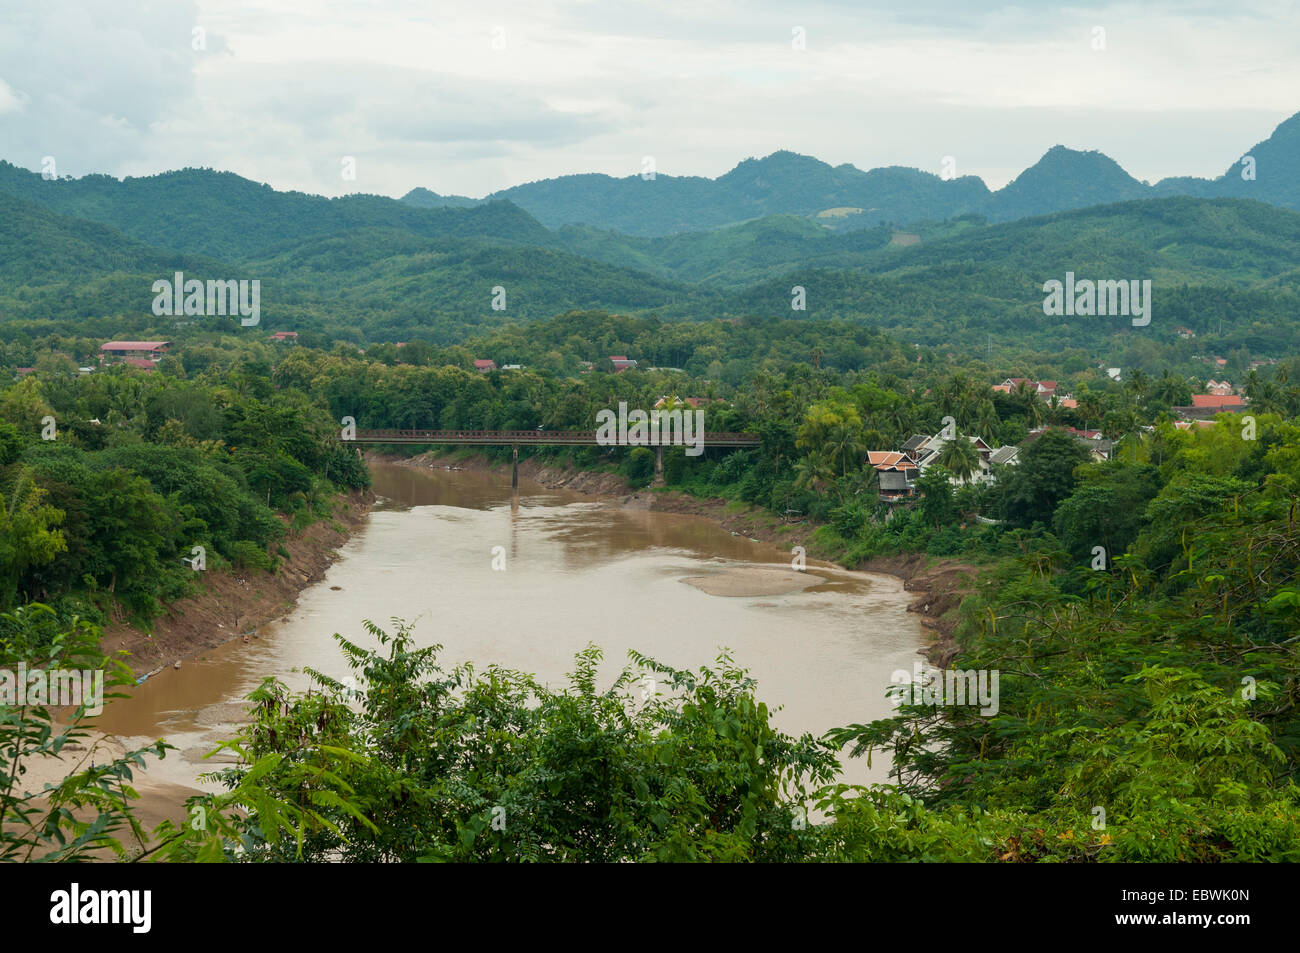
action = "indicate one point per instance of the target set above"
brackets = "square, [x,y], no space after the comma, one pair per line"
[469,98]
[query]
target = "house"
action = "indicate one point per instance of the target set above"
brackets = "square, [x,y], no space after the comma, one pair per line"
[914,445]
[622,363]
[143,363]
[1185,332]
[924,451]
[24,371]
[1044,389]
[1009,385]
[1188,424]
[1207,405]
[290,337]
[512,367]
[1218,400]
[1101,450]
[929,455]
[895,473]
[1004,457]
[153,350]
[693,402]
[1218,388]
[483,366]
[1112,373]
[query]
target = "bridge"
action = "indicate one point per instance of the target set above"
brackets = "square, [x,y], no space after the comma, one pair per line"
[537,438]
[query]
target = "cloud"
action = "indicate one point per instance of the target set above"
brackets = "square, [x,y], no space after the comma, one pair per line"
[419,95]
[94,77]
[10,101]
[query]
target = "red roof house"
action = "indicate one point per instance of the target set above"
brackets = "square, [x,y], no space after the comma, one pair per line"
[1217,400]
[154,349]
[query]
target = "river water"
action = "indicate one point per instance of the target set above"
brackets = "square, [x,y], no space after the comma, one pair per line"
[575,572]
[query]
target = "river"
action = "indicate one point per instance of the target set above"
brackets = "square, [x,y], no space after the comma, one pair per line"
[576,571]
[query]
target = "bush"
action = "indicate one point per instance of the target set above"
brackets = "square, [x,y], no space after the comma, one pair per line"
[639,468]
[248,555]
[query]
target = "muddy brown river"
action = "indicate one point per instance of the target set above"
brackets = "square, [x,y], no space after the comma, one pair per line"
[576,571]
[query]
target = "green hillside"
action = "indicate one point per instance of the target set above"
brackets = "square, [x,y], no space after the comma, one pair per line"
[223,215]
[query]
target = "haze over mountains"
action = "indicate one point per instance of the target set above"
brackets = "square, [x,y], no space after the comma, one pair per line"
[845,196]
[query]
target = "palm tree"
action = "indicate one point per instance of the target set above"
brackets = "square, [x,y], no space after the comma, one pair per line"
[960,457]
[1090,409]
[844,443]
[814,471]
[987,424]
[1167,388]
[1026,396]
[1137,384]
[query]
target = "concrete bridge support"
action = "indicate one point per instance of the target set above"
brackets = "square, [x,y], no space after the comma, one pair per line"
[659,466]
[514,468]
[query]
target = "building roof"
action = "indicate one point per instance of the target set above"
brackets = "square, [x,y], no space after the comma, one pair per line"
[889,460]
[133,345]
[141,362]
[1004,454]
[484,362]
[915,442]
[1217,400]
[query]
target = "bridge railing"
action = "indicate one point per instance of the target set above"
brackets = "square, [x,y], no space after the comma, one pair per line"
[522,436]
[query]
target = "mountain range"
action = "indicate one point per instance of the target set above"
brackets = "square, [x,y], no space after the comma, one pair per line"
[846,197]
[78,256]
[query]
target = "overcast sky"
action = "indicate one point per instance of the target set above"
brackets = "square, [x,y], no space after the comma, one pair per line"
[281,90]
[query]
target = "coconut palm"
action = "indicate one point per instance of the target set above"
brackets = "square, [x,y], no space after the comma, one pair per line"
[1090,409]
[987,424]
[814,471]
[960,457]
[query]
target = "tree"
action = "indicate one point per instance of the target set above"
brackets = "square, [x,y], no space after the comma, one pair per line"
[834,429]
[961,458]
[29,536]
[1029,492]
[1107,509]
[935,488]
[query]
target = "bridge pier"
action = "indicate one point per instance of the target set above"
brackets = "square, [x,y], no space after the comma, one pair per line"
[514,468]
[659,466]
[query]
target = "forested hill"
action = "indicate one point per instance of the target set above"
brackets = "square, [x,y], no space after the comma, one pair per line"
[846,197]
[373,269]
[226,216]
[1176,240]
[39,248]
